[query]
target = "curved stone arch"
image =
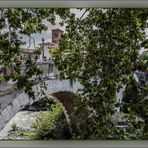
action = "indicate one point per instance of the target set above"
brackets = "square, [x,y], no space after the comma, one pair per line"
[66,99]
[21,99]
[63,108]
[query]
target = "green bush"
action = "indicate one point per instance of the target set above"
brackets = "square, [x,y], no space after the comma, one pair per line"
[30,135]
[14,126]
[52,125]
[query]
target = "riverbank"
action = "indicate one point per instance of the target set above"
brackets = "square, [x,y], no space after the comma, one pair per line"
[22,122]
[19,134]
[47,123]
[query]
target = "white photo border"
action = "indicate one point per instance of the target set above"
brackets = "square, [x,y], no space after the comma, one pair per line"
[74,4]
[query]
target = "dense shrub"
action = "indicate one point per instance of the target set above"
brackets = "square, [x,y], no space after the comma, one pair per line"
[14,126]
[52,125]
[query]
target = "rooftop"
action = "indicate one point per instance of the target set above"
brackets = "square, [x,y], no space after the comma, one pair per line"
[57,29]
[48,43]
[25,50]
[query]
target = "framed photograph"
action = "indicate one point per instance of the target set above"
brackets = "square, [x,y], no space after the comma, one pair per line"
[73,73]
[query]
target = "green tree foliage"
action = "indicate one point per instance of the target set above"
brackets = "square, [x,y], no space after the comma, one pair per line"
[135,99]
[52,125]
[144,58]
[14,23]
[135,104]
[100,50]
[14,126]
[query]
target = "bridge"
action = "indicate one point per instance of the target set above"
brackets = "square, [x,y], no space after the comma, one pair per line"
[61,91]
[13,101]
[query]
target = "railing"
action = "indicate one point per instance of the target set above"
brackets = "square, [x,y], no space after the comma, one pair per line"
[48,66]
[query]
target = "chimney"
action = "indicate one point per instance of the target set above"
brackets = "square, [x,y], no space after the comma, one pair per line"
[56,33]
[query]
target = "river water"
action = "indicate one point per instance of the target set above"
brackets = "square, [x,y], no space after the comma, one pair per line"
[23,120]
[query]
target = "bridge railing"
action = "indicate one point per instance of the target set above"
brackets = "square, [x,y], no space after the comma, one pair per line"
[50,70]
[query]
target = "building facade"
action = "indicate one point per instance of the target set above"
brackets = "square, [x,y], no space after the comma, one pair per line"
[47,46]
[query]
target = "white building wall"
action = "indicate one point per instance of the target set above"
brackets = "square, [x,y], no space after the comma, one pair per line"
[46,52]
